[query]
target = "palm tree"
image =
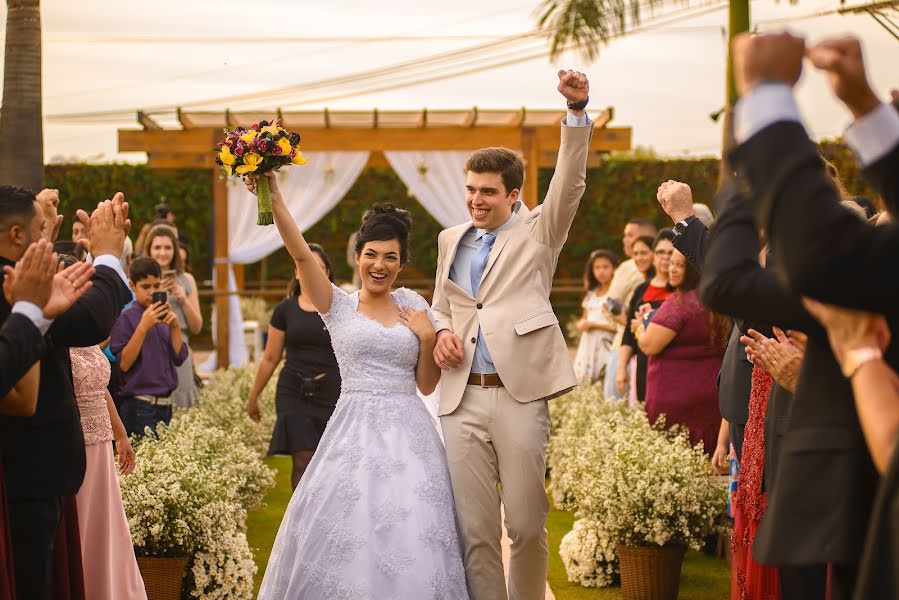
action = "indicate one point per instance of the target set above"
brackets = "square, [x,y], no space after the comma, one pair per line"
[587,24]
[21,127]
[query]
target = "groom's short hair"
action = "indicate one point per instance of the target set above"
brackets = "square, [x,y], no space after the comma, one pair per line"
[507,163]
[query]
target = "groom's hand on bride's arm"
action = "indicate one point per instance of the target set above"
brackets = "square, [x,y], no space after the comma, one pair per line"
[448,353]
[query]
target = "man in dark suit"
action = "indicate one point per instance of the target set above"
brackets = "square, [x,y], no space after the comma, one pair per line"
[735,377]
[43,455]
[823,250]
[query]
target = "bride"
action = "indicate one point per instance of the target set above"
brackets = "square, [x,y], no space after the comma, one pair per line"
[373,517]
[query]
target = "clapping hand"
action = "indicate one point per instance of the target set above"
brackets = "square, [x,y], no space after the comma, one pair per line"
[32,278]
[107,226]
[68,286]
[574,86]
[48,200]
[780,356]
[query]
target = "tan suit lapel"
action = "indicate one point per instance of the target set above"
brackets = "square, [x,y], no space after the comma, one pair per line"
[499,244]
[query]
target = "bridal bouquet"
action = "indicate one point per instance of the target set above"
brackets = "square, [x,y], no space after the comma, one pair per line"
[264,147]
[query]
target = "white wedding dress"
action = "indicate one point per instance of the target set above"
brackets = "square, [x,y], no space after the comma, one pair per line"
[373,517]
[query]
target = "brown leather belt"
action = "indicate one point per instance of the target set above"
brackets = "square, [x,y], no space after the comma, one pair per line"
[485,380]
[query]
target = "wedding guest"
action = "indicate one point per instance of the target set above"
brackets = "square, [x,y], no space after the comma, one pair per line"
[148,346]
[646,298]
[597,330]
[685,345]
[43,455]
[626,279]
[858,340]
[815,241]
[110,568]
[181,288]
[309,383]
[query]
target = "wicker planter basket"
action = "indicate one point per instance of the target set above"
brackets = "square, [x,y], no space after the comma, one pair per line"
[650,573]
[162,576]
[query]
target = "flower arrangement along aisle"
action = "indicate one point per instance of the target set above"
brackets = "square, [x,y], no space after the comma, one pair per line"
[264,147]
[629,485]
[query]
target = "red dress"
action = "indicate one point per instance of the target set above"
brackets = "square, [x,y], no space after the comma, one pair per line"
[749,579]
[7,584]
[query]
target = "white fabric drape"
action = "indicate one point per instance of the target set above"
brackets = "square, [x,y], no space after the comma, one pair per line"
[437,179]
[311,191]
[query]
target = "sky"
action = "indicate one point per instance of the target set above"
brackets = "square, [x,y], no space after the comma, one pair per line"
[664,81]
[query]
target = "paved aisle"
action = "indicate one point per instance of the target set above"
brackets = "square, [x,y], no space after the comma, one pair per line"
[506,543]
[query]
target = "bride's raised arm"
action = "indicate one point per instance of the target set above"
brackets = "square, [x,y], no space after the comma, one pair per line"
[313,280]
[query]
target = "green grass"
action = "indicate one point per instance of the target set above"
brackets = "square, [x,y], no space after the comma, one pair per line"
[263,523]
[702,577]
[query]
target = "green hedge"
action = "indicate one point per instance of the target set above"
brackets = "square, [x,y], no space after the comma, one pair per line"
[616,190]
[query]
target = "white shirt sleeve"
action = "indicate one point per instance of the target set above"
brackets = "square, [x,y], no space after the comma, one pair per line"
[874,135]
[34,314]
[113,262]
[766,104]
[573,121]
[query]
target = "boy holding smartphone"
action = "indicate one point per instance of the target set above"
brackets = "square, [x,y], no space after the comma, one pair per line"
[148,346]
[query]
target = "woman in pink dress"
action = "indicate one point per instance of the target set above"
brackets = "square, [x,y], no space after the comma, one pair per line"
[110,569]
[685,344]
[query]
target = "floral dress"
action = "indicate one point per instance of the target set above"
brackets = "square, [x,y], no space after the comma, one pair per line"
[373,517]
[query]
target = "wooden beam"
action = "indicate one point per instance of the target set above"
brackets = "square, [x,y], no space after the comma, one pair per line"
[147,121]
[239,276]
[530,150]
[374,118]
[604,117]
[423,118]
[172,160]
[327,116]
[182,118]
[166,140]
[220,237]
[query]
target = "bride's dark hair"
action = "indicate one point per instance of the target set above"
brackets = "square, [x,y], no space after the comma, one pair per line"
[383,223]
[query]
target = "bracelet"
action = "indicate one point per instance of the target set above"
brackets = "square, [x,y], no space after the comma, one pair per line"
[578,105]
[857,358]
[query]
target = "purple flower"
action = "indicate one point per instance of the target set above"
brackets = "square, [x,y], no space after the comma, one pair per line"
[262,145]
[240,150]
[294,139]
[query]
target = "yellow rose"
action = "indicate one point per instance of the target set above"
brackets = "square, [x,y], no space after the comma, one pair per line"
[272,129]
[227,159]
[250,163]
[284,145]
[249,136]
[298,158]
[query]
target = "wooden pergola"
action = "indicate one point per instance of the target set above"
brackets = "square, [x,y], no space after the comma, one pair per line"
[534,132]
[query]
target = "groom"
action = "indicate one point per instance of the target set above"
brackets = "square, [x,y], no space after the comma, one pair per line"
[503,354]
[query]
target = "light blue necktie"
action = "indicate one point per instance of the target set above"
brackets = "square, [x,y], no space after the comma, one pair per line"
[483,363]
[479,261]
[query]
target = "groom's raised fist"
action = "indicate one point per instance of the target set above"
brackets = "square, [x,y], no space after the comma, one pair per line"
[574,86]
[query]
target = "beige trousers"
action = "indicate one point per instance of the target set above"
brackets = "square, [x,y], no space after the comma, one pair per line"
[496,449]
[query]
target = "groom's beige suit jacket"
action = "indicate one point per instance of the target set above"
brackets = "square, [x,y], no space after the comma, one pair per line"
[512,306]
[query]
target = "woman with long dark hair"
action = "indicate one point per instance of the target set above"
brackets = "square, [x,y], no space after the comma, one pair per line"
[309,383]
[163,246]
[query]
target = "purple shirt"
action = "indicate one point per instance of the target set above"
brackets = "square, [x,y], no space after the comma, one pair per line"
[154,372]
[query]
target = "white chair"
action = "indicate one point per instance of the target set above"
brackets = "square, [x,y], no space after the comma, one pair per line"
[252,335]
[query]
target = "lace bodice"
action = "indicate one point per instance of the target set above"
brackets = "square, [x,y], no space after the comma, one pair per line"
[372,356]
[90,374]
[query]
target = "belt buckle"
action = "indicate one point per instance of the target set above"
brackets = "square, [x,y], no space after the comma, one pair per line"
[483,383]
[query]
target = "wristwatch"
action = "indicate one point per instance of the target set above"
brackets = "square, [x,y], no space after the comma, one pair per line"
[578,105]
[681,226]
[855,359]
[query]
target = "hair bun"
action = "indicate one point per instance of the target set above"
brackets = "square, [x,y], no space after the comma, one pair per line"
[398,218]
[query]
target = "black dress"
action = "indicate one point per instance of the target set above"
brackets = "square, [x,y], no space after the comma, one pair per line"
[309,384]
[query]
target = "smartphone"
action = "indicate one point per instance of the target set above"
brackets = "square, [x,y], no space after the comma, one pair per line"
[161,297]
[614,306]
[169,274]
